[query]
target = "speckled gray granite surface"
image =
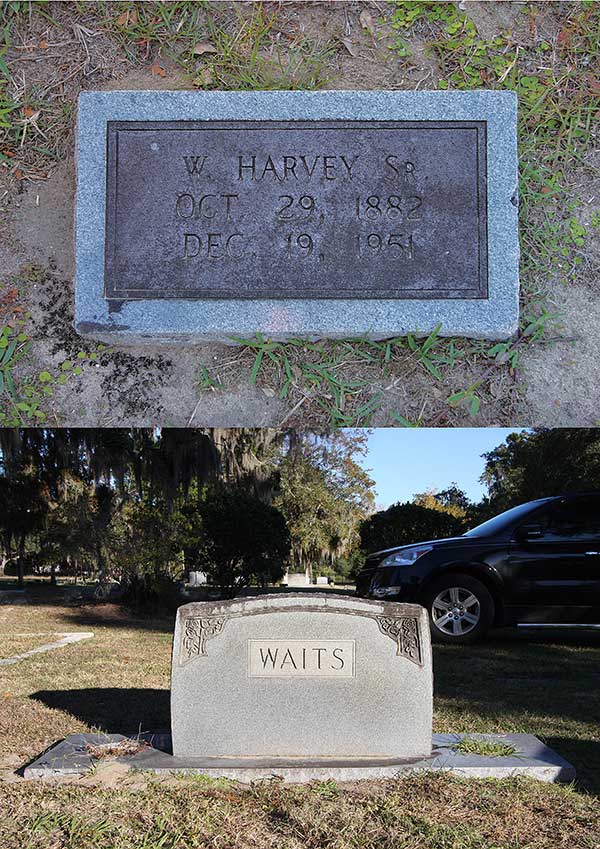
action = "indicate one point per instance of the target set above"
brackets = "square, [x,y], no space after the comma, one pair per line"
[189,321]
[295,674]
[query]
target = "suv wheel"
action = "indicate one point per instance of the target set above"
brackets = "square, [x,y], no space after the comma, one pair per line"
[461,609]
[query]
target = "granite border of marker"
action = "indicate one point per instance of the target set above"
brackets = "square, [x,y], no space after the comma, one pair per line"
[196,321]
[71,757]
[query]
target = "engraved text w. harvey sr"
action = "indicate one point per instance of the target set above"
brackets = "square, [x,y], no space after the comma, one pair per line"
[320,209]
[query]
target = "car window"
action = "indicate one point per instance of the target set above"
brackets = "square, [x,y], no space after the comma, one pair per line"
[576,519]
[505,520]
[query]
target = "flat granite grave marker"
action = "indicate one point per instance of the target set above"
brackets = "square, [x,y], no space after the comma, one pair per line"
[217,215]
[304,677]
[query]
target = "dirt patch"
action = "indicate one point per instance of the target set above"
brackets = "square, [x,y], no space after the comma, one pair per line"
[43,222]
[562,380]
[116,750]
[492,19]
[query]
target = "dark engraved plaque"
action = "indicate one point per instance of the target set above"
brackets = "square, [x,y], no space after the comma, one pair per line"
[296,209]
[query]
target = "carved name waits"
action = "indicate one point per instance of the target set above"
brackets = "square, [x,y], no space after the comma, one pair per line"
[322,209]
[301,658]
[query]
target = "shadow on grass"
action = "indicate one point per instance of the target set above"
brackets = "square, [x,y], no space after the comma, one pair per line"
[90,614]
[585,757]
[116,710]
[114,616]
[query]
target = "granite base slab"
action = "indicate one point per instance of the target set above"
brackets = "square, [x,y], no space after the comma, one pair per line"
[533,759]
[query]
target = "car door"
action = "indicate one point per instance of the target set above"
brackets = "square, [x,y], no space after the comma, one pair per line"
[561,566]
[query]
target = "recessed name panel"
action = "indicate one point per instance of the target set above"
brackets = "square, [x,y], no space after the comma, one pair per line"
[301,658]
[296,209]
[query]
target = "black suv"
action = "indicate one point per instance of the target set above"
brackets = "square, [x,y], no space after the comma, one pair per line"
[539,562]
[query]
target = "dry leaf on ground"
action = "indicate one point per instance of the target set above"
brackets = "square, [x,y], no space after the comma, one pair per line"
[366,22]
[128,17]
[349,46]
[203,47]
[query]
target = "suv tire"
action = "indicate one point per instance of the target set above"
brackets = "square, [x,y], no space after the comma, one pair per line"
[461,609]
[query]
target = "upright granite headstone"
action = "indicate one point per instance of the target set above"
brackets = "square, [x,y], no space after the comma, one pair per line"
[301,676]
[214,215]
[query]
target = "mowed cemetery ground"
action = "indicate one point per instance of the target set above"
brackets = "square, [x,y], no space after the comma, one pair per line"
[547,52]
[118,681]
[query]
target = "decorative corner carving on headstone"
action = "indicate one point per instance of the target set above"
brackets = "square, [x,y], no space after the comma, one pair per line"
[197,630]
[405,632]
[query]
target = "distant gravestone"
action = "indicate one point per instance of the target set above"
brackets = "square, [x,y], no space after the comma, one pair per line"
[214,215]
[198,579]
[297,579]
[249,676]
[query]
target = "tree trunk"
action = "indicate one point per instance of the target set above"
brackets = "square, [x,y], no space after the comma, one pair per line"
[102,566]
[21,563]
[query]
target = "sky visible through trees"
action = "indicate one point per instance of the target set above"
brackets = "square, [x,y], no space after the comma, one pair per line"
[404,462]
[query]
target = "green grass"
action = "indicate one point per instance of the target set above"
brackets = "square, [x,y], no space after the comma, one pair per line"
[217,51]
[119,682]
[486,748]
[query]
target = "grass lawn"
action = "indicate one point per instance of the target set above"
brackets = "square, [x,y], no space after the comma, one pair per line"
[119,680]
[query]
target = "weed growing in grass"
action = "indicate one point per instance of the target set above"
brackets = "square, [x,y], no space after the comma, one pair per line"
[140,28]
[206,381]
[208,783]
[485,748]
[241,58]
[20,402]
[74,830]
[326,789]
[317,372]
